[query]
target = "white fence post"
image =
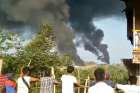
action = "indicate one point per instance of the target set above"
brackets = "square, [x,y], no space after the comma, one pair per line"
[53,75]
[1,62]
[86,84]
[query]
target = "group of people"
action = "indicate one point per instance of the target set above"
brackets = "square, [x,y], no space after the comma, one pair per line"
[101,84]
[47,82]
[68,82]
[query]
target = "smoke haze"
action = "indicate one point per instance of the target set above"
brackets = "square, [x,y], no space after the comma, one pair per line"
[27,15]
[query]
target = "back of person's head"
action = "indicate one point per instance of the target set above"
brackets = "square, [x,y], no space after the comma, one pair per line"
[25,70]
[9,76]
[47,71]
[133,80]
[70,69]
[99,74]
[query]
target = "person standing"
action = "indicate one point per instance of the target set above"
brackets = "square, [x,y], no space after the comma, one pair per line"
[47,82]
[23,82]
[3,78]
[100,86]
[10,84]
[68,81]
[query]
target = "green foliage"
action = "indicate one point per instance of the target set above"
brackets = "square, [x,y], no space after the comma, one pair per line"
[38,54]
[41,52]
[44,40]
[9,64]
[119,74]
[66,59]
[8,40]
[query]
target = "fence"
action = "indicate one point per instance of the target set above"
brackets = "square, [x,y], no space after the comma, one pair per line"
[35,87]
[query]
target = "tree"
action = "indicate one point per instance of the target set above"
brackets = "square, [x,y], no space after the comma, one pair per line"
[40,52]
[10,43]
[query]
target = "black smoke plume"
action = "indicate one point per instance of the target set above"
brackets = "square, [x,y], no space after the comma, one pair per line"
[27,15]
[82,15]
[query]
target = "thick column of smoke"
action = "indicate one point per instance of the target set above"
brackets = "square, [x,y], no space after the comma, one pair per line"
[32,13]
[83,12]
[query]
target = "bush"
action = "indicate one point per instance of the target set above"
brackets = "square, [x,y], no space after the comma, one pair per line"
[119,74]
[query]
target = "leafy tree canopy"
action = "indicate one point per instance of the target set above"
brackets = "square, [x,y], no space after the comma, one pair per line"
[39,53]
[9,43]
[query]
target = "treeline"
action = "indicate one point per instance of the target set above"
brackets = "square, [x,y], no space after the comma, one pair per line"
[37,54]
[41,52]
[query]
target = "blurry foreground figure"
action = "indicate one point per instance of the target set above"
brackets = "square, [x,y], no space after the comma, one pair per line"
[100,86]
[10,84]
[3,78]
[129,88]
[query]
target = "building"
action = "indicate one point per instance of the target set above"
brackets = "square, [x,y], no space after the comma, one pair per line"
[133,34]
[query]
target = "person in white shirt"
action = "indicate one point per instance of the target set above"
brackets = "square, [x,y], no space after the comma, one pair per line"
[23,82]
[68,81]
[100,86]
[129,88]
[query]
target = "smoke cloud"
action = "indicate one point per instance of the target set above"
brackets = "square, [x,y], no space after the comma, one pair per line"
[82,15]
[27,15]
[23,15]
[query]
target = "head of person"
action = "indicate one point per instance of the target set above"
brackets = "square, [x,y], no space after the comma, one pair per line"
[99,74]
[70,69]
[133,80]
[26,71]
[107,75]
[47,72]
[9,76]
